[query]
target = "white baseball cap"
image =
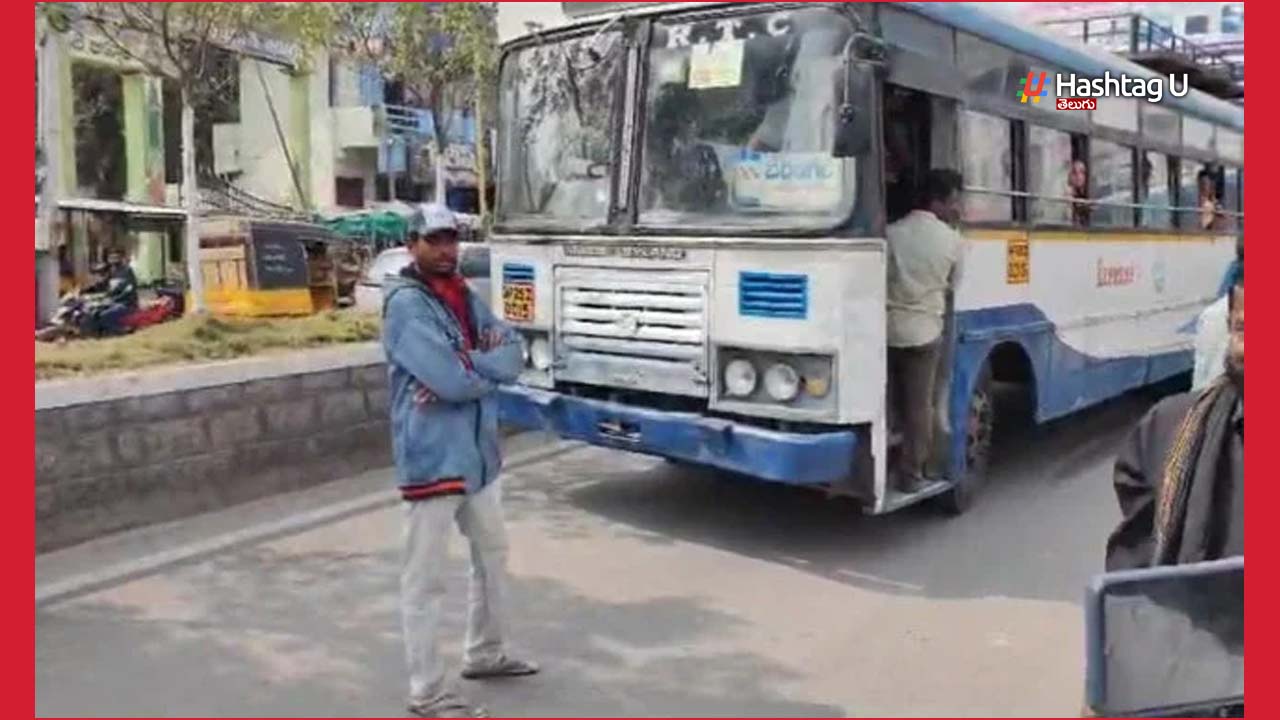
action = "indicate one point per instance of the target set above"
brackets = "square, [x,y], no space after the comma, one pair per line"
[432,217]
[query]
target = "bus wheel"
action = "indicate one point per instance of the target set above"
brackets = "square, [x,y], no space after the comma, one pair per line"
[978,432]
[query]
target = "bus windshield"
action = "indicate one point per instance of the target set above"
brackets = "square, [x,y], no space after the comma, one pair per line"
[739,120]
[558,106]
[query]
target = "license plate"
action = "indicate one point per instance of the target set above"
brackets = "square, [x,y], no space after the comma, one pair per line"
[517,302]
[619,430]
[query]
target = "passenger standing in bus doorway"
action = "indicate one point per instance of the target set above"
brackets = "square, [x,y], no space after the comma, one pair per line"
[446,355]
[925,260]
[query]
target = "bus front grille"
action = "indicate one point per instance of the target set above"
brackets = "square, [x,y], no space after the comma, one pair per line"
[632,329]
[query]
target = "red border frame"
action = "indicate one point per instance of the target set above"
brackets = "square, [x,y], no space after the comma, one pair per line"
[18,436]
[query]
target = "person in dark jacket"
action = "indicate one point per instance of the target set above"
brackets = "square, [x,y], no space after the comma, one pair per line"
[120,285]
[1180,477]
[446,355]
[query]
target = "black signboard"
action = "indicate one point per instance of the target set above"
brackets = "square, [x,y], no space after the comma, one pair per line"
[279,258]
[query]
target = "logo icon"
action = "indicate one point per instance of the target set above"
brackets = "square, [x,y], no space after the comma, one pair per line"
[628,324]
[1032,87]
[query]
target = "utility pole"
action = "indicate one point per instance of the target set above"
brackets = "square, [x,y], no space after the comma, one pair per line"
[49,136]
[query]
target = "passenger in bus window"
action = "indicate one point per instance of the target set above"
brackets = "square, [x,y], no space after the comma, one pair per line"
[925,259]
[1211,217]
[1078,190]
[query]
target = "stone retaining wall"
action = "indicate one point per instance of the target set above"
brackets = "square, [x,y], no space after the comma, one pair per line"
[120,452]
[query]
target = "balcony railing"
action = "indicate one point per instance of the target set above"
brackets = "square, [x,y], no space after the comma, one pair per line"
[1137,35]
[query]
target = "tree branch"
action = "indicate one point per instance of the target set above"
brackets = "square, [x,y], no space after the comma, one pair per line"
[109,33]
[167,38]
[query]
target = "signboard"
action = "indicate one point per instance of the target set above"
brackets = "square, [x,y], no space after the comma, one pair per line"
[716,66]
[85,41]
[279,260]
[1018,262]
[518,293]
[790,181]
[635,252]
[518,301]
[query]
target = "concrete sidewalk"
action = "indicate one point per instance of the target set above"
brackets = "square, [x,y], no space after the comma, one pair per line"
[644,589]
[135,553]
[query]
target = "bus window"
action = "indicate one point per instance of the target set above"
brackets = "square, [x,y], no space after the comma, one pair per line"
[906,147]
[1231,194]
[1161,124]
[1119,113]
[1230,145]
[557,110]
[1155,196]
[739,132]
[1241,195]
[1111,184]
[1199,193]
[987,144]
[1049,172]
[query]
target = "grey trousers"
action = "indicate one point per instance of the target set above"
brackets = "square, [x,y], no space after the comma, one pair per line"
[913,379]
[422,583]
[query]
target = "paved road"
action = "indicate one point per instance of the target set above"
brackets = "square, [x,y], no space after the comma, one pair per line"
[645,589]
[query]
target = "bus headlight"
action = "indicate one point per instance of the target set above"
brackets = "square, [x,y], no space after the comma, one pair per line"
[540,354]
[818,386]
[782,382]
[739,378]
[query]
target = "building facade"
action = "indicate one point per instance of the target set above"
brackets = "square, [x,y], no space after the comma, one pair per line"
[280,141]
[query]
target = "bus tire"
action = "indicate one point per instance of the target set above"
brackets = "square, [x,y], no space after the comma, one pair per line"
[979,426]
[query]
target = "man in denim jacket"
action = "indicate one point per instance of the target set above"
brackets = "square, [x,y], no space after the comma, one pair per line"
[446,355]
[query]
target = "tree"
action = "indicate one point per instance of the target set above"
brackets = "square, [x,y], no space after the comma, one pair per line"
[180,42]
[444,54]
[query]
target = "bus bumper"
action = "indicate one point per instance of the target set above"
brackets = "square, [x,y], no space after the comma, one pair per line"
[785,457]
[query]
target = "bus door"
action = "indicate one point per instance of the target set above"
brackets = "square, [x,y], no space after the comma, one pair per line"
[919,135]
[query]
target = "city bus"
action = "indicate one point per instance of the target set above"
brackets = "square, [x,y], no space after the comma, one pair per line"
[691,206]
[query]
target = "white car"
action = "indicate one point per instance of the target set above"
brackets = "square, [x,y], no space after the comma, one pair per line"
[473,262]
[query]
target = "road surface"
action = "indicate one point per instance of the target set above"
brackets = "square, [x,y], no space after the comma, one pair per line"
[643,588]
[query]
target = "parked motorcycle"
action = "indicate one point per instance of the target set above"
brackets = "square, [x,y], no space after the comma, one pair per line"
[169,304]
[78,313]
[71,317]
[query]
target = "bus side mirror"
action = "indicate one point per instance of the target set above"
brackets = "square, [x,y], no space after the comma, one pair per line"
[854,121]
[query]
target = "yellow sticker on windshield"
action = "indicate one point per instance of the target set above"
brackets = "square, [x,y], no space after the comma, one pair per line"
[715,65]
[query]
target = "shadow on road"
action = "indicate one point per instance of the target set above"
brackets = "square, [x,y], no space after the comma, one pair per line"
[1037,531]
[268,632]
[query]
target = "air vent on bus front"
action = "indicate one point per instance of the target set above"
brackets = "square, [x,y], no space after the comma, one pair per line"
[513,273]
[771,295]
